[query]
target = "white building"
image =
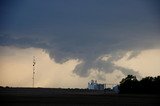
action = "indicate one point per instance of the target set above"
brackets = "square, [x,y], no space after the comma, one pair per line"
[95,86]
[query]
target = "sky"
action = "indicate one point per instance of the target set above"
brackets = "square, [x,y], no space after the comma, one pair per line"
[75,41]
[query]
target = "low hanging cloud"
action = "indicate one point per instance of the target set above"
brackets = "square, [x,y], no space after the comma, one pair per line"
[89,54]
[69,31]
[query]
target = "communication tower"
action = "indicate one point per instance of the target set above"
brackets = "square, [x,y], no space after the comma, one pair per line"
[34,63]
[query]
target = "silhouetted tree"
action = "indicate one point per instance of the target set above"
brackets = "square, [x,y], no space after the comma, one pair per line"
[156,84]
[147,85]
[128,84]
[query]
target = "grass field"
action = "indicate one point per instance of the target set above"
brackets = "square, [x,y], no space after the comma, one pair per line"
[63,97]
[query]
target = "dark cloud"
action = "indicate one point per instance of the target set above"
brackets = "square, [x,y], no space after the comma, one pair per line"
[134,54]
[83,30]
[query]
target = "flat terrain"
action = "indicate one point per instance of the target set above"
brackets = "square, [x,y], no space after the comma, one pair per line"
[72,97]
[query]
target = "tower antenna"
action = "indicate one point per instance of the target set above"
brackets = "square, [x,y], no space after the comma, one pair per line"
[34,63]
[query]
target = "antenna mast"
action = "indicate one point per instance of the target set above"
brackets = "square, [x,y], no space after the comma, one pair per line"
[34,63]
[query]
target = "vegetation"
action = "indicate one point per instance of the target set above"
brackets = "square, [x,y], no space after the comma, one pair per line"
[147,85]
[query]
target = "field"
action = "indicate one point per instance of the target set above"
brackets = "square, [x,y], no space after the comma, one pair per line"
[72,97]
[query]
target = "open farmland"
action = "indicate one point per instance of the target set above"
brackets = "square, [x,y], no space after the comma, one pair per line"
[72,97]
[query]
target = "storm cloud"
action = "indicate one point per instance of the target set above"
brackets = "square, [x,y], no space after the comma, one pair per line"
[86,30]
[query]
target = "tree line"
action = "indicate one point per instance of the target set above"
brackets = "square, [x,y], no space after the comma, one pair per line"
[147,85]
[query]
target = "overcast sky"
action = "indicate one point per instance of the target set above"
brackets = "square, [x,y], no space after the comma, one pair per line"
[85,39]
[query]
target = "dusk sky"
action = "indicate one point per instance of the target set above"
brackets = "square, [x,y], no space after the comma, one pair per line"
[75,41]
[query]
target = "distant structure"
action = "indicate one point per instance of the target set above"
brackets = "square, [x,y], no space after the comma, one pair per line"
[93,85]
[116,89]
[34,63]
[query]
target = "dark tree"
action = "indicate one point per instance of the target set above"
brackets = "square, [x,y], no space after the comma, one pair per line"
[156,84]
[128,84]
[147,85]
